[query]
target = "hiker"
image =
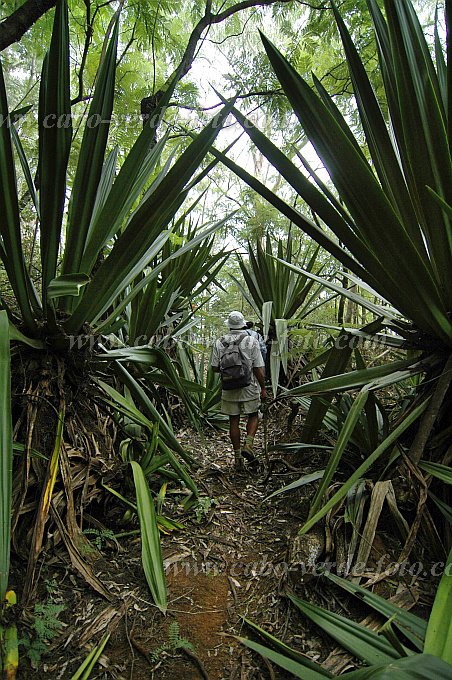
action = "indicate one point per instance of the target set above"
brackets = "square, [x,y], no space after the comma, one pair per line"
[237,357]
[256,334]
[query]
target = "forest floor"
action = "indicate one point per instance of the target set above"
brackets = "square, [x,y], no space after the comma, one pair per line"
[234,559]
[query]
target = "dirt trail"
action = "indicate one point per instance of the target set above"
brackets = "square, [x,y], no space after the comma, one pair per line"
[230,564]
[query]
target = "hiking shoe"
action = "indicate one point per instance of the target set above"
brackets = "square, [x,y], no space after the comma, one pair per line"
[249,456]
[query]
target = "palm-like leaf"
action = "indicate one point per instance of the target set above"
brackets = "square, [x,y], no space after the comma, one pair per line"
[11,242]
[359,640]
[439,629]
[151,551]
[186,267]
[385,661]
[369,207]
[140,242]
[412,626]
[389,441]
[55,132]
[389,206]
[91,161]
[277,294]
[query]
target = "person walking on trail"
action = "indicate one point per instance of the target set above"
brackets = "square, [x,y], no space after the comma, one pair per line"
[238,359]
[256,334]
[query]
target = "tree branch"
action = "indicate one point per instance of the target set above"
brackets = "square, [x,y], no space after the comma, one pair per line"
[148,104]
[245,4]
[128,45]
[88,38]
[208,20]
[19,22]
[257,93]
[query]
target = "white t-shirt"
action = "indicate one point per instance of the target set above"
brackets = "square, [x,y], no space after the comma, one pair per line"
[250,348]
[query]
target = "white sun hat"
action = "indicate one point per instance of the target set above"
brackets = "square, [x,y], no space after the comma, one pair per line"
[235,321]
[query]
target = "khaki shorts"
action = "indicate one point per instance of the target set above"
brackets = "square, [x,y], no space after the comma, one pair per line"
[236,408]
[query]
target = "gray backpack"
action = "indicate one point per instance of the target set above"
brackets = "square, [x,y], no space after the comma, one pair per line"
[235,369]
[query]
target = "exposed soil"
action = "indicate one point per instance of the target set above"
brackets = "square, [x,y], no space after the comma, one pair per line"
[232,560]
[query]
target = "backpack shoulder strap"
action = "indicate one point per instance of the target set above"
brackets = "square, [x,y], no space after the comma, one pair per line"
[223,341]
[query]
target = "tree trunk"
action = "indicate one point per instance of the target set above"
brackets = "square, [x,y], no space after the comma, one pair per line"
[19,22]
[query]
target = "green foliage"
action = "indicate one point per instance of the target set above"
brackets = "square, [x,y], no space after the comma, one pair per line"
[437,636]
[100,537]
[51,586]
[157,433]
[202,507]
[277,295]
[175,642]
[387,444]
[151,551]
[366,194]
[399,202]
[46,623]
[100,251]
[206,402]
[267,279]
[186,266]
[45,626]
[85,669]
[385,197]
[114,260]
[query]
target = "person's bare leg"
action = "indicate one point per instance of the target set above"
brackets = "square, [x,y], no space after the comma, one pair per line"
[252,424]
[234,433]
[251,429]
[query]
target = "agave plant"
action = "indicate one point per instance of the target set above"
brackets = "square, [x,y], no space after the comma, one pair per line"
[97,254]
[186,266]
[154,318]
[267,279]
[206,401]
